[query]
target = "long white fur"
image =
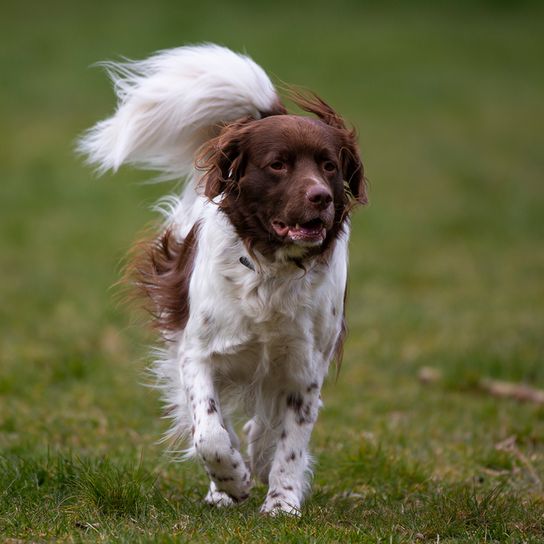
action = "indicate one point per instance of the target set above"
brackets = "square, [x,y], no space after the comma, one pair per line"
[260,340]
[171,103]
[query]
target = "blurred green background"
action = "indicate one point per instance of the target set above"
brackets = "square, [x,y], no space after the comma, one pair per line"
[447,269]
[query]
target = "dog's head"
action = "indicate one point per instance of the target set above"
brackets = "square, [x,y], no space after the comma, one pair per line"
[286,182]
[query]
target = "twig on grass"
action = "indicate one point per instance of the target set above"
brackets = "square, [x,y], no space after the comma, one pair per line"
[510,390]
[509,446]
[501,389]
[495,388]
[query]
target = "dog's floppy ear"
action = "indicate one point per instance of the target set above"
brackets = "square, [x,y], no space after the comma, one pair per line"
[352,166]
[222,159]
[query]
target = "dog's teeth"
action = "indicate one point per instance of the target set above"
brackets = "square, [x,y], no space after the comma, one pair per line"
[297,226]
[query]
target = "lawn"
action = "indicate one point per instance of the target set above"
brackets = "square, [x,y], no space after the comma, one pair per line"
[447,273]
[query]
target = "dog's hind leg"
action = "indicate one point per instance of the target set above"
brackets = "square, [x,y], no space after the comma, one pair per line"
[261,445]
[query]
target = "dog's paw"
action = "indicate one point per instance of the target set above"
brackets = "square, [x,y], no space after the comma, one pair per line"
[274,506]
[236,484]
[224,464]
[218,498]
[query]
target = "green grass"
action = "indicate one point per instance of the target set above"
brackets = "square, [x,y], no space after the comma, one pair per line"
[447,271]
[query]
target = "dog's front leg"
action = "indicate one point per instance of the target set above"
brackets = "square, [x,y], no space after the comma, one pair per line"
[230,478]
[287,478]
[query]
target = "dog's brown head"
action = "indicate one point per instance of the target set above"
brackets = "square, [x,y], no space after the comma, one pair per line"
[286,181]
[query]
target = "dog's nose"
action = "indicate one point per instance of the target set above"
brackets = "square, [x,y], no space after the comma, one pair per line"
[319,196]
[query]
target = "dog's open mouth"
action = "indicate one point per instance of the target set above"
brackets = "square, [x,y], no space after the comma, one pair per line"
[312,232]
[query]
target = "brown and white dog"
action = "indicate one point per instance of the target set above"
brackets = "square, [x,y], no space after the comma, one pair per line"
[247,278]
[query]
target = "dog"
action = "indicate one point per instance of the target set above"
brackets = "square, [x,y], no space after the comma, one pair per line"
[246,281]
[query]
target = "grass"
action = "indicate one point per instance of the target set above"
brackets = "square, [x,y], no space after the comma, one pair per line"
[446,272]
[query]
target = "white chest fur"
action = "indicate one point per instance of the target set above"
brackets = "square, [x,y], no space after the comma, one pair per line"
[255,318]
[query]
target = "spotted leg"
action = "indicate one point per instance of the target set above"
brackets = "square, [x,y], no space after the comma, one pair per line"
[287,478]
[230,478]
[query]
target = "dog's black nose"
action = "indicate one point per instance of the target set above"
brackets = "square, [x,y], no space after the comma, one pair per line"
[319,196]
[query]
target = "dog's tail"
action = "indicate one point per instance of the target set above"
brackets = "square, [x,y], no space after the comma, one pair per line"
[173,102]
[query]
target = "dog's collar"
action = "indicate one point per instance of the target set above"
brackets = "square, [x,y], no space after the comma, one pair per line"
[247,263]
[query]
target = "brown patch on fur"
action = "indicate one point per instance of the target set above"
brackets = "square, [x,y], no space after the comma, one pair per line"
[295,401]
[237,165]
[212,407]
[161,271]
[352,165]
[221,160]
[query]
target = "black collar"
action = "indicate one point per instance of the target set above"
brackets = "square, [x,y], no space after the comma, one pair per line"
[247,263]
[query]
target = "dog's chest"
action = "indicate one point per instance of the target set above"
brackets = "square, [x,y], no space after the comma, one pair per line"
[275,299]
[243,311]
[271,308]
[240,309]
[275,325]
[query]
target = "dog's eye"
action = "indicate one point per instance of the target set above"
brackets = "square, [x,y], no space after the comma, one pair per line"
[277,165]
[329,166]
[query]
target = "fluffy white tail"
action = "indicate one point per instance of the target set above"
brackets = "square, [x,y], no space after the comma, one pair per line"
[171,103]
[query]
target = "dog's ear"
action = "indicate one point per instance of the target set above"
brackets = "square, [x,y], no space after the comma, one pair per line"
[352,166]
[223,160]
